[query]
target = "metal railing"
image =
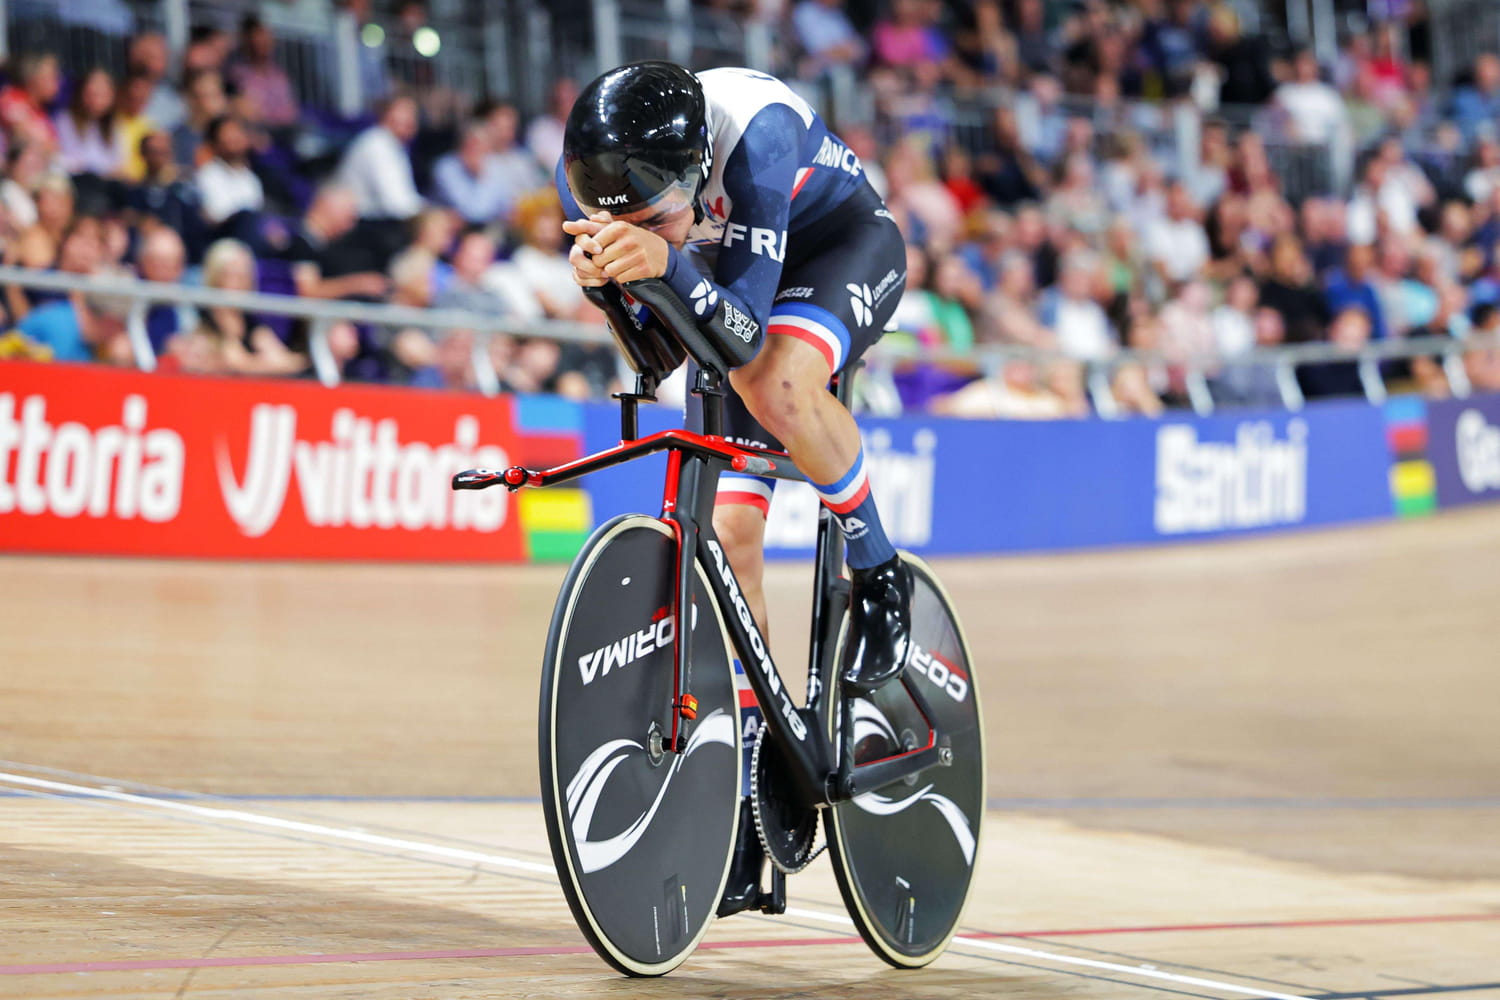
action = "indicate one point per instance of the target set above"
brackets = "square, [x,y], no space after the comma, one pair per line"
[1280,363]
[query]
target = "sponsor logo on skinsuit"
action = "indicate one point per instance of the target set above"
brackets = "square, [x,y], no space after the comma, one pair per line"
[739,324]
[1257,480]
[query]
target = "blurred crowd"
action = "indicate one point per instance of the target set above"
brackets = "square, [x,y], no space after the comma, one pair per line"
[1019,143]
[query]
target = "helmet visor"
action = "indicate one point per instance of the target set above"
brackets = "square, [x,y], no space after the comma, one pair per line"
[626,185]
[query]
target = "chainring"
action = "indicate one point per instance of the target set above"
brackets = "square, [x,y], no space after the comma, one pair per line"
[786,828]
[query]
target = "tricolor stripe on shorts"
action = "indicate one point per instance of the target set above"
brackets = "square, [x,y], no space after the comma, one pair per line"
[815,325]
[737,487]
[849,492]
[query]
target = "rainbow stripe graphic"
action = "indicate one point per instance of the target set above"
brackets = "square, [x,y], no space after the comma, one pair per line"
[1413,482]
[555,521]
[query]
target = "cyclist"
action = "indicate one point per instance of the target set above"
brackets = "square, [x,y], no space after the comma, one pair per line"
[727,188]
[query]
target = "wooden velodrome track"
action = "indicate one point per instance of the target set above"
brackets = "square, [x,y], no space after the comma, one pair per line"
[1268,767]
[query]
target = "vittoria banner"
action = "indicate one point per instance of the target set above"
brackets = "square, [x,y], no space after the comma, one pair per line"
[106,461]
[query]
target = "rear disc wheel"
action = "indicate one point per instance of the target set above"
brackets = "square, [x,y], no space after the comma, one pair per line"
[904,854]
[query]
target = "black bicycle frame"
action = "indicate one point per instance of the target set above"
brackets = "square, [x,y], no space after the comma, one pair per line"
[693,466]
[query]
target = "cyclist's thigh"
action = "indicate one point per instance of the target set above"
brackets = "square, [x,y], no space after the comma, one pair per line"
[838,297]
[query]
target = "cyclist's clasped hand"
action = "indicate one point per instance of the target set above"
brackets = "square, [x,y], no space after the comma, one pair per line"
[606,249]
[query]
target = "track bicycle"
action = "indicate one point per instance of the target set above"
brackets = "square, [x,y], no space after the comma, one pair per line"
[651,653]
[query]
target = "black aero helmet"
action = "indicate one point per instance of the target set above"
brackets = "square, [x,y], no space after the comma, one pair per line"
[638,138]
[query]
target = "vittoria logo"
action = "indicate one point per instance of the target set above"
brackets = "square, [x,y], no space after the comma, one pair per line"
[363,477]
[68,469]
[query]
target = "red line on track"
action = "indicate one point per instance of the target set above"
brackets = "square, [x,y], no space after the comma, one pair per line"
[141,964]
[1455,918]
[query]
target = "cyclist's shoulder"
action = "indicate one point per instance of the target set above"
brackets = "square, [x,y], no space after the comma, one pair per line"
[736,97]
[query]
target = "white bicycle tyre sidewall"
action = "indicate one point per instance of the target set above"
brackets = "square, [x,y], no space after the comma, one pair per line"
[845,877]
[598,547]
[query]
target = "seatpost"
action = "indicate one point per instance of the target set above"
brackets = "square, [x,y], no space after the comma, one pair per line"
[645,389]
[708,387]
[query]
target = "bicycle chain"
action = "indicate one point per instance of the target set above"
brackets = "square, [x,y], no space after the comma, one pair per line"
[760,823]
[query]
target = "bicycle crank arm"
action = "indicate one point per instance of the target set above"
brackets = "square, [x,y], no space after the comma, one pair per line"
[878,774]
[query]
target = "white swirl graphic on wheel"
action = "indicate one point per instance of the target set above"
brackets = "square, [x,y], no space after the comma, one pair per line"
[870,721]
[588,785]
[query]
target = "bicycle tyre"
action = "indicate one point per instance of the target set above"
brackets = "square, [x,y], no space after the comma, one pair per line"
[906,904]
[672,821]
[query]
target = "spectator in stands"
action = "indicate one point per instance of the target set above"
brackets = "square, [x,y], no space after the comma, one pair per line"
[167,196]
[205,102]
[1234,318]
[1034,45]
[1291,293]
[1315,111]
[208,48]
[1169,47]
[229,191]
[25,165]
[1324,227]
[471,180]
[24,105]
[827,37]
[148,57]
[1009,313]
[325,263]
[519,169]
[1015,392]
[378,170]
[132,125]
[39,245]
[1009,173]
[162,257]
[544,136]
[1350,331]
[71,325]
[1176,245]
[263,83]
[540,265]
[227,339]
[1352,288]
[1476,106]
[1076,201]
[467,289]
[85,131]
[1242,59]
[1074,316]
